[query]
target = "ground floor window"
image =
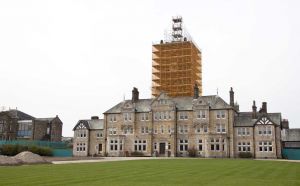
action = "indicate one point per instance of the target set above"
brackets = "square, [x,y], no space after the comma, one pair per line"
[265,146]
[115,144]
[216,144]
[183,145]
[244,146]
[140,145]
[80,147]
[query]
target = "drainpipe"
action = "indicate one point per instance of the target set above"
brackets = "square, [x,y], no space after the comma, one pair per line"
[228,137]
[175,132]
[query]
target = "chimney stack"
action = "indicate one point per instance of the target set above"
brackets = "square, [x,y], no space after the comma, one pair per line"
[263,109]
[196,91]
[285,124]
[135,95]
[254,111]
[231,93]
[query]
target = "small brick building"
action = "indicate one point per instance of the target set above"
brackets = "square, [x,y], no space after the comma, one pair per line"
[17,125]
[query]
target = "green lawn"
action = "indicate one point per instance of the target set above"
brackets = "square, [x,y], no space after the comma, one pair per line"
[157,172]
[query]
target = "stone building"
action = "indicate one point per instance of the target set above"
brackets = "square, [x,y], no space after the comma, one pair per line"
[17,125]
[181,126]
[89,137]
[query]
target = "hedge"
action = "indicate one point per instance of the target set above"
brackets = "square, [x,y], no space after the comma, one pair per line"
[11,150]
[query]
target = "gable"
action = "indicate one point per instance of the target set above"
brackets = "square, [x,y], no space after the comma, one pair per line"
[82,124]
[264,120]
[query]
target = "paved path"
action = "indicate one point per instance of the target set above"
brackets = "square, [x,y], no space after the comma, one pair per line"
[108,159]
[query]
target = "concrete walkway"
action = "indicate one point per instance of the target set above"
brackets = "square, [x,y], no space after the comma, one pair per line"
[109,159]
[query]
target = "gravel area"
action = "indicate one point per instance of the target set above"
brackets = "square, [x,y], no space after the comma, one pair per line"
[25,157]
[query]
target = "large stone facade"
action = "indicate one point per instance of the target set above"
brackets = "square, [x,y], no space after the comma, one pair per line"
[17,125]
[204,126]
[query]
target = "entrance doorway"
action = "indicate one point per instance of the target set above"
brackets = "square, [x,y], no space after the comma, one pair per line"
[162,148]
[100,148]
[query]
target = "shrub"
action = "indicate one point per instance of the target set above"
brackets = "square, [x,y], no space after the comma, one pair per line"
[245,155]
[11,150]
[192,152]
[137,154]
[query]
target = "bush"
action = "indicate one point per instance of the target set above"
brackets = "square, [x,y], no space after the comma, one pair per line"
[245,155]
[11,150]
[192,152]
[136,154]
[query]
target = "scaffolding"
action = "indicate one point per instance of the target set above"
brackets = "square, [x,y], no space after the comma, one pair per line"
[176,64]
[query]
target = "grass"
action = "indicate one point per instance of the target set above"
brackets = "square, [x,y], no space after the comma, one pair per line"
[157,172]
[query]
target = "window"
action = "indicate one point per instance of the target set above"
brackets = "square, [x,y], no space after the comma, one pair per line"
[144,117]
[99,134]
[115,144]
[144,130]
[155,129]
[183,129]
[243,131]
[81,133]
[127,116]
[112,131]
[162,102]
[183,116]
[162,129]
[183,145]
[201,114]
[221,114]
[205,129]
[127,130]
[80,147]
[112,118]
[244,146]
[200,147]
[215,144]
[140,145]
[198,129]
[155,146]
[25,129]
[221,128]
[265,130]
[169,129]
[265,146]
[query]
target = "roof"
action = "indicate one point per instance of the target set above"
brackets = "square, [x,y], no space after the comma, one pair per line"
[91,124]
[244,119]
[182,103]
[45,119]
[19,115]
[291,135]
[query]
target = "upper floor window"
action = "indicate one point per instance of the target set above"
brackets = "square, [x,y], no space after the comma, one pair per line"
[113,118]
[162,101]
[205,128]
[127,130]
[99,134]
[221,114]
[112,131]
[183,129]
[201,114]
[243,131]
[198,129]
[127,116]
[144,130]
[265,130]
[183,116]
[81,133]
[144,117]
[162,116]
[221,128]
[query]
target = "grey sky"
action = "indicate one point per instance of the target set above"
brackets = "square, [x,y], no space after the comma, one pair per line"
[78,58]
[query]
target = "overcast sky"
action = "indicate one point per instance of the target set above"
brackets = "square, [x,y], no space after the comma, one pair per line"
[76,59]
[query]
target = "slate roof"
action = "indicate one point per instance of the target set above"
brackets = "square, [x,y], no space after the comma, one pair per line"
[182,103]
[19,115]
[244,119]
[91,124]
[45,119]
